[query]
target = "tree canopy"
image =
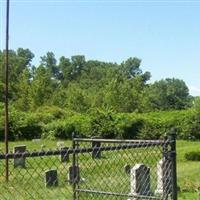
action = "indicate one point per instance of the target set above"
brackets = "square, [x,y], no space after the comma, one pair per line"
[81,85]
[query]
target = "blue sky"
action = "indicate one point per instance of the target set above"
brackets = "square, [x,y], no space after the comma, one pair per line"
[164,34]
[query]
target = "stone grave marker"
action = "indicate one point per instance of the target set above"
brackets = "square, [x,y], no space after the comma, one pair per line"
[96,153]
[60,144]
[51,178]
[36,140]
[140,180]
[74,174]
[64,156]
[163,177]
[19,162]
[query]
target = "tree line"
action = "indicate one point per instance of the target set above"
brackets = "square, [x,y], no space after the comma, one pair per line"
[81,85]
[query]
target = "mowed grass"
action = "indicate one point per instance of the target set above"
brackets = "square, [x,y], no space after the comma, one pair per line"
[103,174]
[188,171]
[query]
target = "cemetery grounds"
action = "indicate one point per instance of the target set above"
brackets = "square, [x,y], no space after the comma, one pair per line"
[188,172]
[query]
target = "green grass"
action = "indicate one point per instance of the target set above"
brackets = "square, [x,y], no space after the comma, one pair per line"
[188,171]
[101,174]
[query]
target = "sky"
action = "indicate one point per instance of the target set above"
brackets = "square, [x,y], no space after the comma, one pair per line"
[165,35]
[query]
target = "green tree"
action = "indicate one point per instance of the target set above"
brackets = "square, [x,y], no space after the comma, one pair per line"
[18,61]
[65,69]
[41,87]
[77,63]
[131,68]
[49,61]
[23,99]
[167,94]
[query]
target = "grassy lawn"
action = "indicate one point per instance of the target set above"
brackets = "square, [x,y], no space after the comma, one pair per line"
[92,170]
[188,171]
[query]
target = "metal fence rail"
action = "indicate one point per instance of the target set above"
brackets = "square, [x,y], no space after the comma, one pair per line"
[93,169]
[125,169]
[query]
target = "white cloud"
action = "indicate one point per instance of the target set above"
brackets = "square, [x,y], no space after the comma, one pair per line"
[194,91]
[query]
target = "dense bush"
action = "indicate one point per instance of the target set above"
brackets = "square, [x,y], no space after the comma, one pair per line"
[187,123]
[194,156]
[53,122]
[63,128]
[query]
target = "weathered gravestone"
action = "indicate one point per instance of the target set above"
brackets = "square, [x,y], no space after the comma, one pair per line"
[74,174]
[60,144]
[19,162]
[163,177]
[140,180]
[51,178]
[96,153]
[36,140]
[64,156]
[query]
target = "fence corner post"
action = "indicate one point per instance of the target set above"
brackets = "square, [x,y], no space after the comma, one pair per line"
[172,138]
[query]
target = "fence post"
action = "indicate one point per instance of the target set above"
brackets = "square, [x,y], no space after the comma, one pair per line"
[172,138]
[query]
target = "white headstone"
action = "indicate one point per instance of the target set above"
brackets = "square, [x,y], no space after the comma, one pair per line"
[36,140]
[160,185]
[163,177]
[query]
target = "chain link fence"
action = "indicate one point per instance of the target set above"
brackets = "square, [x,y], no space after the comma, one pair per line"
[92,169]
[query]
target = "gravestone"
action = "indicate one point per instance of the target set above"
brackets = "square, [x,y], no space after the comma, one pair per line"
[60,144]
[64,156]
[36,140]
[19,162]
[140,180]
[74,174]
[163,177]
[51,178]
[96,153]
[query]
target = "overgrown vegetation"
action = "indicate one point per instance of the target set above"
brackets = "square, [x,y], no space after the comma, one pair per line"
[93,98]
[54,122]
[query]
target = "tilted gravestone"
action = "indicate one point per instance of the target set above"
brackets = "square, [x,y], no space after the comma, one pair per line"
[96,153]
[64,156]
[19,162]
[74,174]
[51,178]
[163,177]
[140,180]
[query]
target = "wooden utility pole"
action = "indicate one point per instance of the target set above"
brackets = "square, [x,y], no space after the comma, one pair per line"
[6,87]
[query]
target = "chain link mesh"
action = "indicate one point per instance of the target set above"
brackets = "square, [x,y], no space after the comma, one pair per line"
[90,169]
[114,170]
[27,183]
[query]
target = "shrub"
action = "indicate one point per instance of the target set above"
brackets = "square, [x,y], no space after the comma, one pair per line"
[128,125]
[63,128]
[53,122]
[194,156]
[24,125]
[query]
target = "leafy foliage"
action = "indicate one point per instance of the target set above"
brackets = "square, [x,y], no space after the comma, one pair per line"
[54,122]
[194,155]
[92,98]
